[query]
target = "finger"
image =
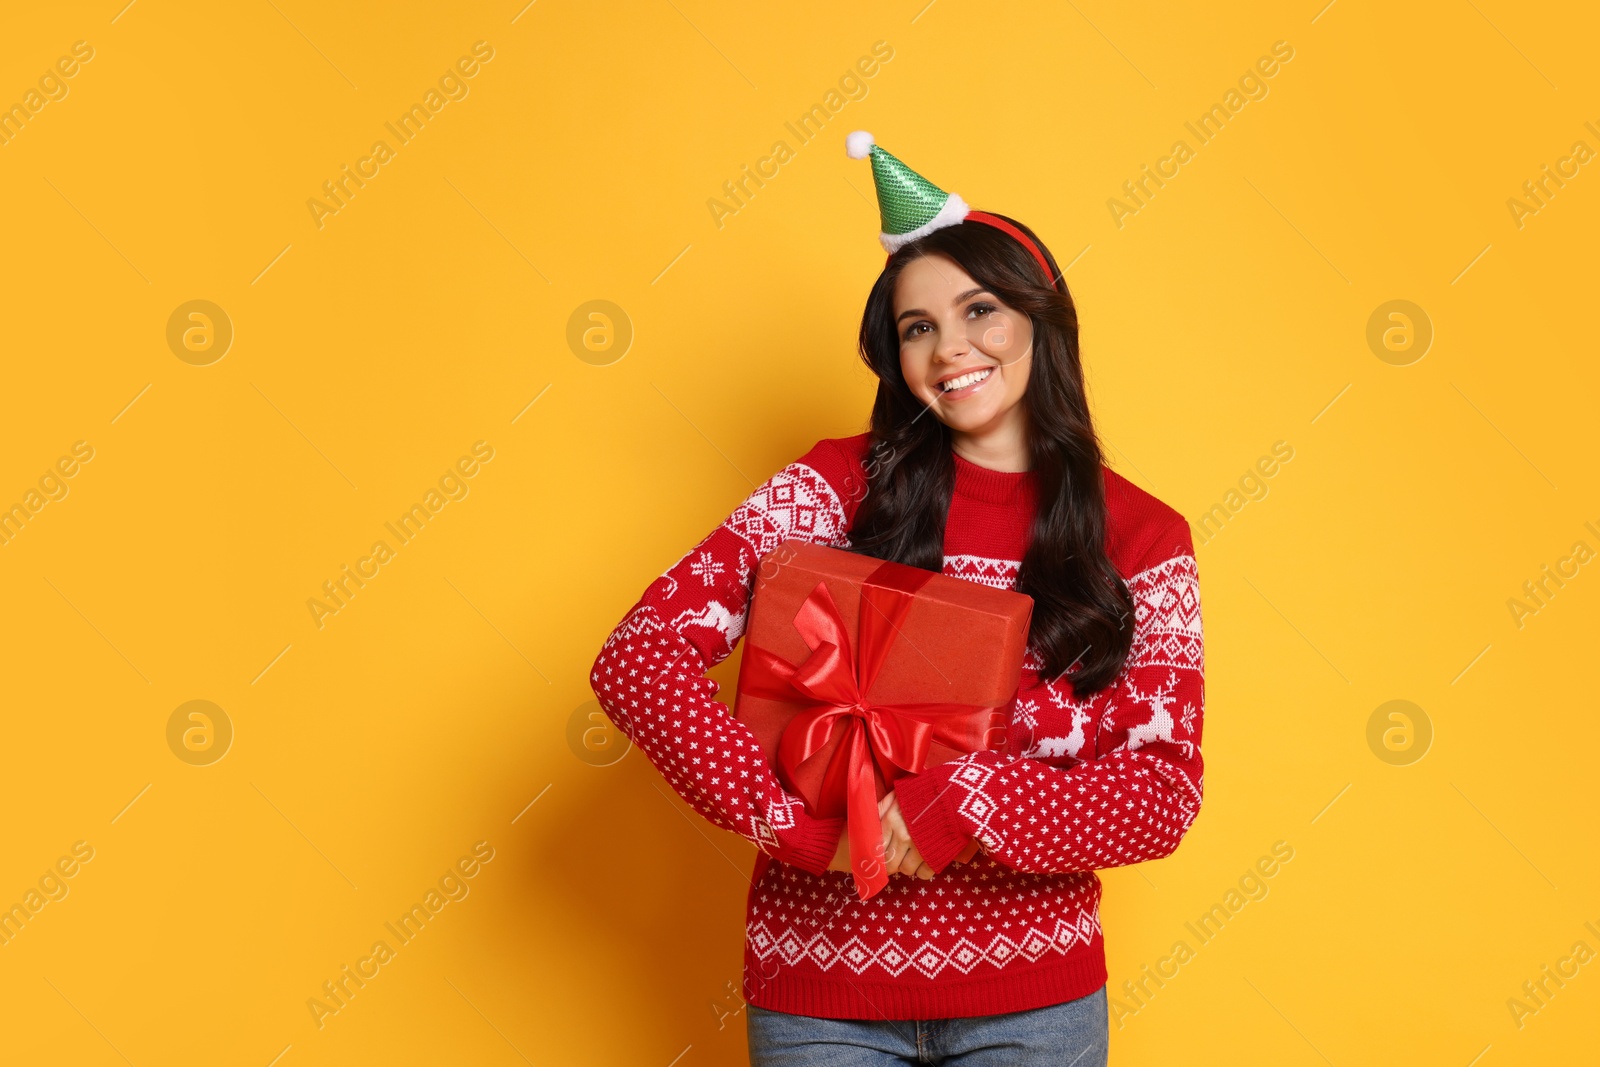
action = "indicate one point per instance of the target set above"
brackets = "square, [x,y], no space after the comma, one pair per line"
[892,850]
[911,860]
[925,872]
[899,841]
[894,821]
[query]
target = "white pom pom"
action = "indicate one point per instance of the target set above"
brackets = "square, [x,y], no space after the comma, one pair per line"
[858,144]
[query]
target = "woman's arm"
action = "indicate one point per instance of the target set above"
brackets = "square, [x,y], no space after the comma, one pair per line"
[1132,803]
[650,674]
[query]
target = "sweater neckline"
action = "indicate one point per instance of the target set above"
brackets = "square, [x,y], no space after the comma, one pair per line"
[992,486]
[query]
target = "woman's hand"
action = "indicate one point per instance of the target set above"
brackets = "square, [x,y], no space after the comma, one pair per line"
[900,854]
[894,832]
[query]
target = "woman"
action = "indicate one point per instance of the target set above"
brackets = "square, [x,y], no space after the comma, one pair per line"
[982,463]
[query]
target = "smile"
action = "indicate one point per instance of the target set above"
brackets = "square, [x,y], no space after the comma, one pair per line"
[966,384]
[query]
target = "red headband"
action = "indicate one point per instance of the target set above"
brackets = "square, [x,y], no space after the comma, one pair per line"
[1022,238]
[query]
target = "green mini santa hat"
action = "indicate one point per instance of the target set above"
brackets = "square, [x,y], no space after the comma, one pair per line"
[909,205]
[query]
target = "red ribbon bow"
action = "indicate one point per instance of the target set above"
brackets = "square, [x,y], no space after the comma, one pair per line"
[833,687]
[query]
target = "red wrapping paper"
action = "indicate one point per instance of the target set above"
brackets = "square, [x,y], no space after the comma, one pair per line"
[858,671]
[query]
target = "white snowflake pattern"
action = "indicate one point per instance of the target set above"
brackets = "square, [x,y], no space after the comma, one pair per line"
[707,568]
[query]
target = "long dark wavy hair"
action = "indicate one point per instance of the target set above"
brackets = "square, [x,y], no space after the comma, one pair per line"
[1082,613]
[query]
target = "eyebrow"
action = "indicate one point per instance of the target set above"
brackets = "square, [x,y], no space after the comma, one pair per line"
[918,311]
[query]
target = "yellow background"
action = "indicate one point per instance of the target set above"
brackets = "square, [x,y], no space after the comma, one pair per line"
[431,311]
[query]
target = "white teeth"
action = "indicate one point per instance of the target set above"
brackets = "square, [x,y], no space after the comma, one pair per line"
[966,379]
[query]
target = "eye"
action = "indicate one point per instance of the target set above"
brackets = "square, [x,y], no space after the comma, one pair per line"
[914,329]
[981,309]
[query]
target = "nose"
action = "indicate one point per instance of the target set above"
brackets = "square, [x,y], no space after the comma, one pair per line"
[952,346]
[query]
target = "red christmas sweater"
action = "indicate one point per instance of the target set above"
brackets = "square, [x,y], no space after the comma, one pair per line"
[1082,784]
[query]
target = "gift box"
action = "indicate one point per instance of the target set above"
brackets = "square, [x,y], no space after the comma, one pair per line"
[858,671]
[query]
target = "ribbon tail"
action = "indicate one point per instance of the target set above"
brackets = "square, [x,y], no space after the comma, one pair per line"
[862,822]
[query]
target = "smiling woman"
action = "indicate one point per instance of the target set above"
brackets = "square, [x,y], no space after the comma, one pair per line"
[981,462]
[968,356]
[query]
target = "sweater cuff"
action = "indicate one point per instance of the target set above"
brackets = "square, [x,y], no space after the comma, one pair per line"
[928,805]
[811,844]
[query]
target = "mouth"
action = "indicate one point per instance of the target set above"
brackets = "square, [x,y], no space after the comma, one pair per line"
[964,384]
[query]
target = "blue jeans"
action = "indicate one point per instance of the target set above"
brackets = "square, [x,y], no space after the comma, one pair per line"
[1075,1033]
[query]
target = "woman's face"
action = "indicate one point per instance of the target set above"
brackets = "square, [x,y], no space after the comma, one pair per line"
[951,328]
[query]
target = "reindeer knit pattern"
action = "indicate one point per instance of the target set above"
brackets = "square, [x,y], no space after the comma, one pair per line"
[1110,779]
